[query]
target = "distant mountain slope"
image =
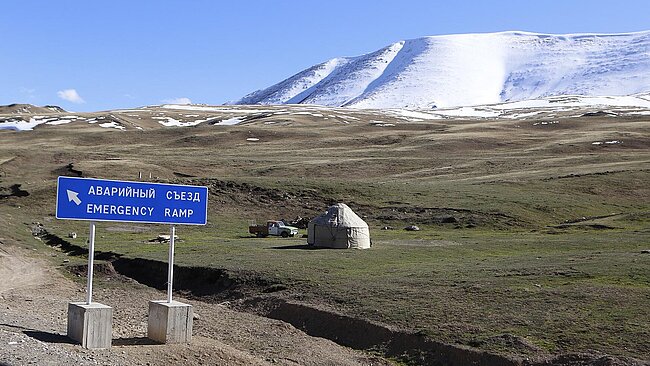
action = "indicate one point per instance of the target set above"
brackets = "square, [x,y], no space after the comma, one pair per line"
[472,69]
[546,110]
[29,109]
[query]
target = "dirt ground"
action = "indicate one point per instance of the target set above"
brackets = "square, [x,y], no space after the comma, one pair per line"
[34,297]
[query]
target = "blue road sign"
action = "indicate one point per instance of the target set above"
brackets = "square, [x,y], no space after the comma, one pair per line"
[111,200]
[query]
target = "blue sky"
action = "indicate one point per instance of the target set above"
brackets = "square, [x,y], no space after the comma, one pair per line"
[92,55]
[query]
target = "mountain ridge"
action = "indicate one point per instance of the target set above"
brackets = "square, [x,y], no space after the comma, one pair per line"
[472,69]
[24,108]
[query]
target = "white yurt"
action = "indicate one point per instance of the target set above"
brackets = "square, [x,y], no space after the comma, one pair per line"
[339,227]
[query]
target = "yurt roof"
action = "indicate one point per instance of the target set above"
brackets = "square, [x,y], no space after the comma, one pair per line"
[340,215]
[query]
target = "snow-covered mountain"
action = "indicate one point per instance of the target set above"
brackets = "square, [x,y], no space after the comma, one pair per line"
[472,69]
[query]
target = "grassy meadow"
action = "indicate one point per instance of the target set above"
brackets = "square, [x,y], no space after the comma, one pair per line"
[529,232]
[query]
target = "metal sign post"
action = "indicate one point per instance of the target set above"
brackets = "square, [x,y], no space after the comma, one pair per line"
[170,272]
[124,201]
[91,257]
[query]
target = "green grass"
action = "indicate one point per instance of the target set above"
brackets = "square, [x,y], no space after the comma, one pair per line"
[562,289]
[572,291]
[529,259]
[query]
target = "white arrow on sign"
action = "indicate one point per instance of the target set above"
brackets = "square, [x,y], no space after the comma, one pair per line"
[74,197]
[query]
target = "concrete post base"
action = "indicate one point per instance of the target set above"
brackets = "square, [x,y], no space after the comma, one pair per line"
[170,322]
[90,324]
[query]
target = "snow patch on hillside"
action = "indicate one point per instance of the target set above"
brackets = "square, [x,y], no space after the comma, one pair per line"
[112,125]
[229,122]
[628,104]
[295,85]
[472,69]
[543,109]
[172,122]
[349,79]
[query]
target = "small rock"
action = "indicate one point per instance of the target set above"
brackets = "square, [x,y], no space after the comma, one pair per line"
[412,228]
[12,343]
[196,316]
[645,251]
[387,228]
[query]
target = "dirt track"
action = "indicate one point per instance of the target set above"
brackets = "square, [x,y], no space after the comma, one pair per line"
[33,321]
[19,272]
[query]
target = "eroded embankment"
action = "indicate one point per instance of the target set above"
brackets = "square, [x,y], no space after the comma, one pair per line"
[253,293]
[209,284]
[367,335]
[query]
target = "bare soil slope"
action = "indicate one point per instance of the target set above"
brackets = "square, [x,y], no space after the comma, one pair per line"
[32,328]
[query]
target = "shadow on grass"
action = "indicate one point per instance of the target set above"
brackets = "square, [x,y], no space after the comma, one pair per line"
[135,341]
[48,337]
[301,247]
[73,249]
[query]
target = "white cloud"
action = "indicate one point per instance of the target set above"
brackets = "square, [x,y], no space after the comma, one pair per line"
[70,95]
[177,101]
